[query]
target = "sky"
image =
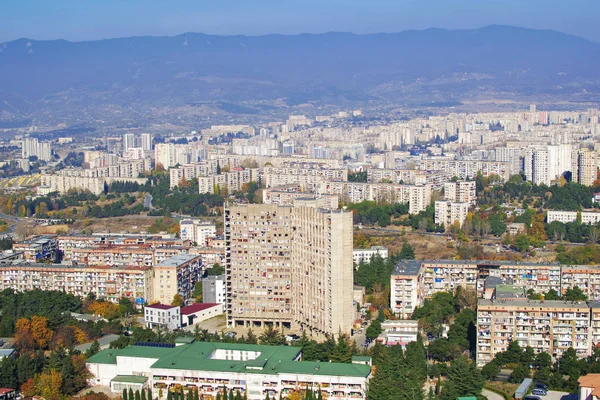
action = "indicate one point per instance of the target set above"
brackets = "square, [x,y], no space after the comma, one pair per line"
[79,20]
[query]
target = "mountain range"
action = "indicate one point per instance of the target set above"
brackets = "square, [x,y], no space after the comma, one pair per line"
[142,72]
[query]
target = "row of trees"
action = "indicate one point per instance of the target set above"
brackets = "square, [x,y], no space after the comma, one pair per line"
[61,373]
[526,363]
[371,212]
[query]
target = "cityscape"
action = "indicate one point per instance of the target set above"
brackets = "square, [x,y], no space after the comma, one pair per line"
[298,215]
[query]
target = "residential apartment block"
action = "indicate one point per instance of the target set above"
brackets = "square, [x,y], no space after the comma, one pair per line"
[196,231]
[360,255]
[110,283]
[230,181]
[414,281]
[546,326]
[587,217]
[418,197]
[176,275]
[461,192]
[289,266]
[449,212]
[307,178]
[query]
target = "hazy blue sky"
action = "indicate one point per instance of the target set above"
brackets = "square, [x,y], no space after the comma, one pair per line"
[98,19]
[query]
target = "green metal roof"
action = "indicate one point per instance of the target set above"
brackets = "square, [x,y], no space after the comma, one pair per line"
[361,358]
[108,356]
[184,339]
[196,356]
[129,379]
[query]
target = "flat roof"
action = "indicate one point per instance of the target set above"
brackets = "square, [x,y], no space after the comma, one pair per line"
[129,379]
[532,303]
[197,356]
[161,306]
[177,260]
[194,308]
[407,267]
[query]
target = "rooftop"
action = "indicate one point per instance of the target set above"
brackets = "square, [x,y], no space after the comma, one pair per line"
[161,306]
[532,303]
[408,267]
[129,379]
[194,308]
[199,356]
[177,260]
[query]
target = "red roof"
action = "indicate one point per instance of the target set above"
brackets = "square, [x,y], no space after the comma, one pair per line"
[194,308]
[5,391]
[161,306]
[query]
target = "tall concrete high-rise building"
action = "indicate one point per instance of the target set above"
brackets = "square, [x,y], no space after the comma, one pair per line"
[128,141]
[146,141]
[585,166]
[290,266]
[33,147]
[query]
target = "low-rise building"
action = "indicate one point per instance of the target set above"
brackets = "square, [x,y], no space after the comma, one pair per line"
[365,255]
[587,217]
[162,316]
[199,312]
[400,332]
[196,231]
[255,371]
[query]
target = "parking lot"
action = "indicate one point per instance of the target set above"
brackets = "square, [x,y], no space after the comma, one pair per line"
[554,395]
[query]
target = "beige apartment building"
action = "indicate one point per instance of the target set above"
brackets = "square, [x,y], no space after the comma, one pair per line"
[289,266]
[546,326]
[110,283]
[176,275]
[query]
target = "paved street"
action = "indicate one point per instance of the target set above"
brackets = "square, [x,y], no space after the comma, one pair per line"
[491,395]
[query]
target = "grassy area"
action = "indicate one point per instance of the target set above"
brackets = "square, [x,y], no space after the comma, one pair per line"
[505,389]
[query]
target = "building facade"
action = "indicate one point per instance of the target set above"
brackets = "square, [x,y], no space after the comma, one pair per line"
[289,265]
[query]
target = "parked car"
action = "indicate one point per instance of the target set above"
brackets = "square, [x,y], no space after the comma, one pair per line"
[532,398]
[539,392]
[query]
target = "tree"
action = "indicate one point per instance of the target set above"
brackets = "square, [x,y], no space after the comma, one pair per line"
[94,349]
[48,385]
[464,379]
[575,294]
[177,300]
[8,373]
[130,395]
[124,394]
[519,373]
[490,371]
[137,395]
[551,295]
[374,330]
[407,252]
[271,336]
[149,394]
[342,352]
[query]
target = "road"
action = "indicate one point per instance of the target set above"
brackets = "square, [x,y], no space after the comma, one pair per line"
[148,201]
[491,395]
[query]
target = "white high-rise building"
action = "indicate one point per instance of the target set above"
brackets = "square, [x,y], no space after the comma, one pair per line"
[164,154]
[146,141]
[32,147]
[585,166]
[128,141]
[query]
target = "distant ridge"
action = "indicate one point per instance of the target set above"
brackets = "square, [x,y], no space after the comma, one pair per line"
[192,67]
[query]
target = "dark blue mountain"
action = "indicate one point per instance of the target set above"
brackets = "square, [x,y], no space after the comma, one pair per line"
[198,67]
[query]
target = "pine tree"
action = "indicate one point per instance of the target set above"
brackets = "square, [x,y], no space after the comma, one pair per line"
[143,394]
[231,395]
[68,377]
[130,394]
[124,394]
[190,395]
[94,349]
[196,397]
[149,394]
